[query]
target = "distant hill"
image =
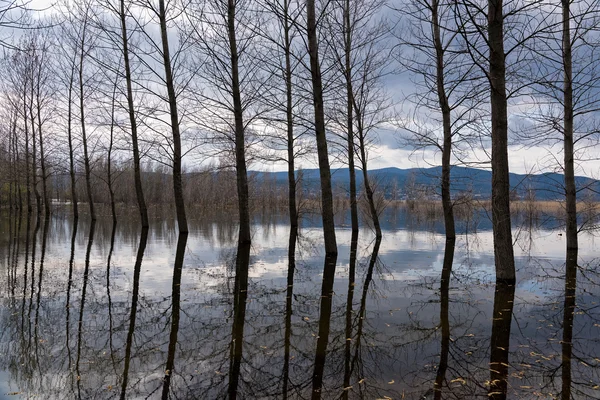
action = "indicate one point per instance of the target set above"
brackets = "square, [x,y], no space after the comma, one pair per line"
[403,183]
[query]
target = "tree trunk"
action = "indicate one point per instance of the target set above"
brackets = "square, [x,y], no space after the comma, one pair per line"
[293,210]
[27,177]
[349,115]
[42,155]
[134,136]
[86,157]
[34,176]
[571,190]
[446,123]
[367,183]
[177,179]
[109,178]
[503,247]
[240,142]
[324,170]
[70,140]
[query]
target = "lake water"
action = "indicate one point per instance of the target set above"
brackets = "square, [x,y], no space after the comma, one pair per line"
[102,312]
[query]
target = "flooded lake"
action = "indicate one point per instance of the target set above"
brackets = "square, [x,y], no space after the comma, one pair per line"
[97,311]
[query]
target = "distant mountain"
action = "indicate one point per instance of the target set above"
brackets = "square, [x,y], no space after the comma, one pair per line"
[405,183]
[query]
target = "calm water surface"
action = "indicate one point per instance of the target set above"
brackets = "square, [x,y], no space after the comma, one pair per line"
[101,311]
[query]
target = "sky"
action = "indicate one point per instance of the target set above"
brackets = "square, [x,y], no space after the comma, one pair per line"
[392,150]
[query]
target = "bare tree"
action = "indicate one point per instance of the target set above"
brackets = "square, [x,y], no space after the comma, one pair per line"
[319,126]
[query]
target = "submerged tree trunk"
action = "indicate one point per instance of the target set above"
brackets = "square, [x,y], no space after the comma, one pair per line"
[177,179]
[324,170]
[139,191]
[240,142]
[503,248]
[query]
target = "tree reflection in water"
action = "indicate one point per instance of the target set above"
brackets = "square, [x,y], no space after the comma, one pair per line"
[134,306]
[85,316]
[175,309]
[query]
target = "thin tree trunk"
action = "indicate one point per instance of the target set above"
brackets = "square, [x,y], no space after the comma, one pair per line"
[109,178]
[571,190]
[240,143]
[86,158]
[70,140]
[446,123]
[17,170]
[503,247]
[293,210]
[34,175]
[27,177]
[42,154]
[177,179]
[324,170]
[367,182]
[349,115]
[139,191]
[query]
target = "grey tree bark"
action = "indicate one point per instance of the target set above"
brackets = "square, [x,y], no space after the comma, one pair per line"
[177,179]
[139,191]
[324,169]
[503,247]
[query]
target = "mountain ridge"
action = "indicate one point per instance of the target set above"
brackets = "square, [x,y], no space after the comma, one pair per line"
[402,183]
